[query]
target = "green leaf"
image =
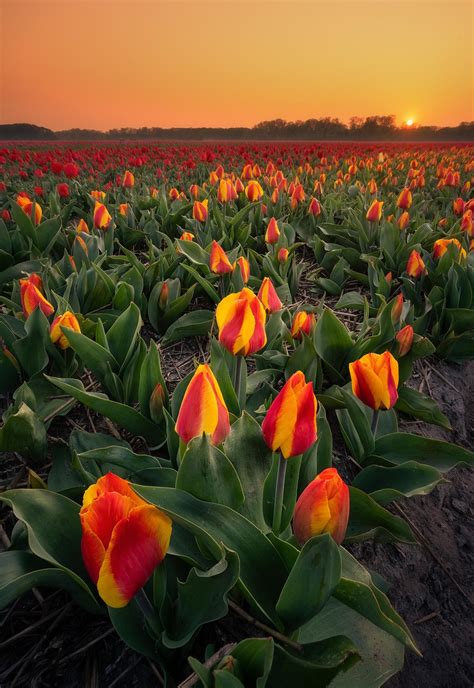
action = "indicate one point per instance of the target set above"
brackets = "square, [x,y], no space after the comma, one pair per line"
[255,656]
[385,484]
[369,520]
[262,572]
[150,376]
[191,324]
[122,336]
[204,283]
[94,356]
[412,402]
[252,459]
[355,427]
[333,342]
[24,433]
[54,531]
[194,252]
[311,582]
[206,472]
[399,447]
[125,416]
[201,599]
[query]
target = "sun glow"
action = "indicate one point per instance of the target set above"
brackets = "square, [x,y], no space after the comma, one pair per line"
[410,122]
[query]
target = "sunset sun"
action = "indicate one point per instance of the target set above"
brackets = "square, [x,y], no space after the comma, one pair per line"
[410,122]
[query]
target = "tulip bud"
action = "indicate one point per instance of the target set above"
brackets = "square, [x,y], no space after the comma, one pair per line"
[282,255]
[405,340]
[239,187]
[200,211]
[82,226]
[102,217]
[5,215]
[269,297]
[314,207]
[467,224]
[30,208]
[303,322]
[253,191]
[63,190]
[128,180]
[124,538]
[156,403]
[32,298]
[123,209]
[389,278]
[405,199]
[322,507]
[173,194]
[403,220]
[397,308]
[218,260]
[374,213]
[272,233]
[458,206]
[164,295]
[241,322]
[372,187]
[57,336]
[415,266]
[290,423]
[187,236]
[203,409]
[244,266]
[375,380]
[98,195]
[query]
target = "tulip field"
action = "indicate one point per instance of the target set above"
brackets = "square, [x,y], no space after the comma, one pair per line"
[236,387]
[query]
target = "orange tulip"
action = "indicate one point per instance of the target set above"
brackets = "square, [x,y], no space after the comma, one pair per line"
[102,217]
[32,298]
[218,260]
[290,423]
[30,208]
[322,507]
[405,199]
[128,180]
[244,266]
[98,195]
[397,308]
[283,255]
[415,266]
[194,190]
[467,224]
[123,209]
[374,213]
[269,297]
[458,206]
[241,322]
[272,233]
[303,322]
[187,236]
[200,211]
[203,409]
[123,539]
[57,336]
[405,340]
[375,380]
[441,246]
[403,220]
[253,191]
[226,191]
[314,207]
[82,226]
[372,187]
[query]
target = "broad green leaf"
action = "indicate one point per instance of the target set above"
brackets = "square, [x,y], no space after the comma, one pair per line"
[189,325]
[24,432]
[385,484]
[399,447]
[412,402]
[332,341]
[369,520]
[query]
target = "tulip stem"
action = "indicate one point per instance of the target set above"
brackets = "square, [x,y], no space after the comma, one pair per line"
[279,492]
[238,379]
[375,419]
[149,612]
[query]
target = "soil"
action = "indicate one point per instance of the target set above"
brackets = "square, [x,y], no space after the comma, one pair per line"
[59,645]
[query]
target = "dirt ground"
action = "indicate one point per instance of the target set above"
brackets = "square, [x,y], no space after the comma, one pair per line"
[58,645]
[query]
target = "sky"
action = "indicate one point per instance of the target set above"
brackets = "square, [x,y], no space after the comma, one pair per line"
[117,63]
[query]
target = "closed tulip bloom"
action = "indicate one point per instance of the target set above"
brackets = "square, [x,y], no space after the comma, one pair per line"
[253,191]
[397,308]
[102,217]
[187,236]
[415,266]
[241,322]
[375,380]
[441,246]
[57,336]
[82,226]
[203,409]
[458,206]
[303,322]
[226,191]
[30,208]
[405,199]
[282,255]
[173,194]
[123,539]
[128,180]
[63,190]
[374,213]
[218,260]
[322,507]
[123,209]
[200,211]
[272,233]
[269,297]
[290,423]
[194,190]
[314,207]
[32,298]
[372,187]
[244,267]
[239,187]
[405,340]
[403,220]
[98,195]
[467,224]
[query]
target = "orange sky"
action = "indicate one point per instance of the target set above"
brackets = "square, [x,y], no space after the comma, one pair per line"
[233,62]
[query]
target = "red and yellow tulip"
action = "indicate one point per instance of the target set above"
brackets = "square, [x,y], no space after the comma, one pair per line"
[441,246]
[374,213]
[303,323]
[268,296]
[290,423]
[200,211]
[322,507]
[123,539]
[405,199]
[405,340]
[218,260]
[241,322]
[32,298]
[253,191]
[128,180]
[244,267]
[375,380]
[272,233]
[203,409]
[57,336]
[102,217]
[415,266]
